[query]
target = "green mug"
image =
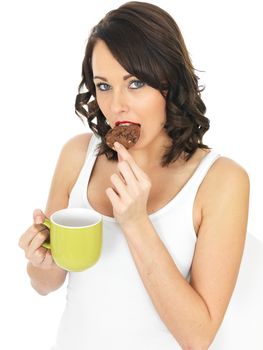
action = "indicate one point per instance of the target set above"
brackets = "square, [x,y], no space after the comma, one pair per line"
[75,238]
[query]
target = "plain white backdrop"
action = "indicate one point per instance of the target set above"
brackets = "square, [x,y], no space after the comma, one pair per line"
[42,47]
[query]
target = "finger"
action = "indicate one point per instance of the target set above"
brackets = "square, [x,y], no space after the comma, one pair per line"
[38,257]
[119,157]
[38,216]
[113,197]
[128,176]
[37,242]
[125,155]
[48,260]
[27,237]
[118,184]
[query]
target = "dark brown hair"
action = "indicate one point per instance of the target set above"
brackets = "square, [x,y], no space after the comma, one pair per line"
[147,42]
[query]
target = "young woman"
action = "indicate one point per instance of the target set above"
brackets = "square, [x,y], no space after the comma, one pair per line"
[175,211]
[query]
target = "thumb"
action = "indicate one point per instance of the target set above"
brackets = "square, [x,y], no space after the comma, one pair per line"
[38,216]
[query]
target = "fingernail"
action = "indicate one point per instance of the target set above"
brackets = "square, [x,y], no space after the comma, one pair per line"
[120,157]
[117,145]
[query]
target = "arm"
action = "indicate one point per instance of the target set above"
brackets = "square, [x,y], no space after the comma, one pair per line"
[192,312]
[44,274]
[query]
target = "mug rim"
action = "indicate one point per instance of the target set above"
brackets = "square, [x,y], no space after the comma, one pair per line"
[98,215]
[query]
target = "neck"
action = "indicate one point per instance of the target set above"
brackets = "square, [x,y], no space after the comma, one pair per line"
[151,155]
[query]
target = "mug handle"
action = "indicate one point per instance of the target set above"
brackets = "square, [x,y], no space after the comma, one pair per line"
[47,224]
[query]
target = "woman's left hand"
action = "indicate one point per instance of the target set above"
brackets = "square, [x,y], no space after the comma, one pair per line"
[130,191]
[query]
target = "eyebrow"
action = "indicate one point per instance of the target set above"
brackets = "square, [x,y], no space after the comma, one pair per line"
[125,77]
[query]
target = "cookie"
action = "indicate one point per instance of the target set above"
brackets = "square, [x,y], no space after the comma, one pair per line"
[125,134]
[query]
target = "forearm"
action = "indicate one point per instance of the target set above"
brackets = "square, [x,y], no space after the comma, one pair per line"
[181,308]
[45,281]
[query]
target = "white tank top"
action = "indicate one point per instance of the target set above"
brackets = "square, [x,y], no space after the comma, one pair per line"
[107,305]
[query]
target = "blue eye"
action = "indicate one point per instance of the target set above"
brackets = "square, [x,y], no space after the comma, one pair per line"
[136,84]
[103,86]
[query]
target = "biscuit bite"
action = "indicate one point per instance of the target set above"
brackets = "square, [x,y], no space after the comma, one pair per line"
[126,134]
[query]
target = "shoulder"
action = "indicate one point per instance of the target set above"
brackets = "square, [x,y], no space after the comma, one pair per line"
[78,143]
[66,172]
[73,155]
[226,180]
[74,150]
[227,172]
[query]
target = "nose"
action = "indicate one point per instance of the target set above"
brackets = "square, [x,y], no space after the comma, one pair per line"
[119,102]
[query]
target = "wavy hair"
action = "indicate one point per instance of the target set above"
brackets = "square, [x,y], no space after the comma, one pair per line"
[147,42]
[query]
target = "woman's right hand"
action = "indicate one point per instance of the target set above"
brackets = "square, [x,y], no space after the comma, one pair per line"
[31,242]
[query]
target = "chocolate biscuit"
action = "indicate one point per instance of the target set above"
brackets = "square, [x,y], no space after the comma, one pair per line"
[125,134]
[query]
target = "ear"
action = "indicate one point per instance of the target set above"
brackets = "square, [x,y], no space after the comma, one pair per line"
[165,93]
[164,88]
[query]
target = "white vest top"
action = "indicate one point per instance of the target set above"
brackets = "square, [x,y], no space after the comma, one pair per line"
[107,305]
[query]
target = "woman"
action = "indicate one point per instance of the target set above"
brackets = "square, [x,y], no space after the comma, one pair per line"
[175,211]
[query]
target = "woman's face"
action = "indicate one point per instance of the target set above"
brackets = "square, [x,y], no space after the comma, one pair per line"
[122,97]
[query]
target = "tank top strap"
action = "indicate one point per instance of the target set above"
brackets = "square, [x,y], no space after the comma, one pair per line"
[91,157]
[78,195]
[201,172]
[92,147]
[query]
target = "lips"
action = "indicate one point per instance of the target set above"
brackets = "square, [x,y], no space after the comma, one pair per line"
[125,122]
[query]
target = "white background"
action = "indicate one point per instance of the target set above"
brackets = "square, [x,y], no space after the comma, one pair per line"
[42,47]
